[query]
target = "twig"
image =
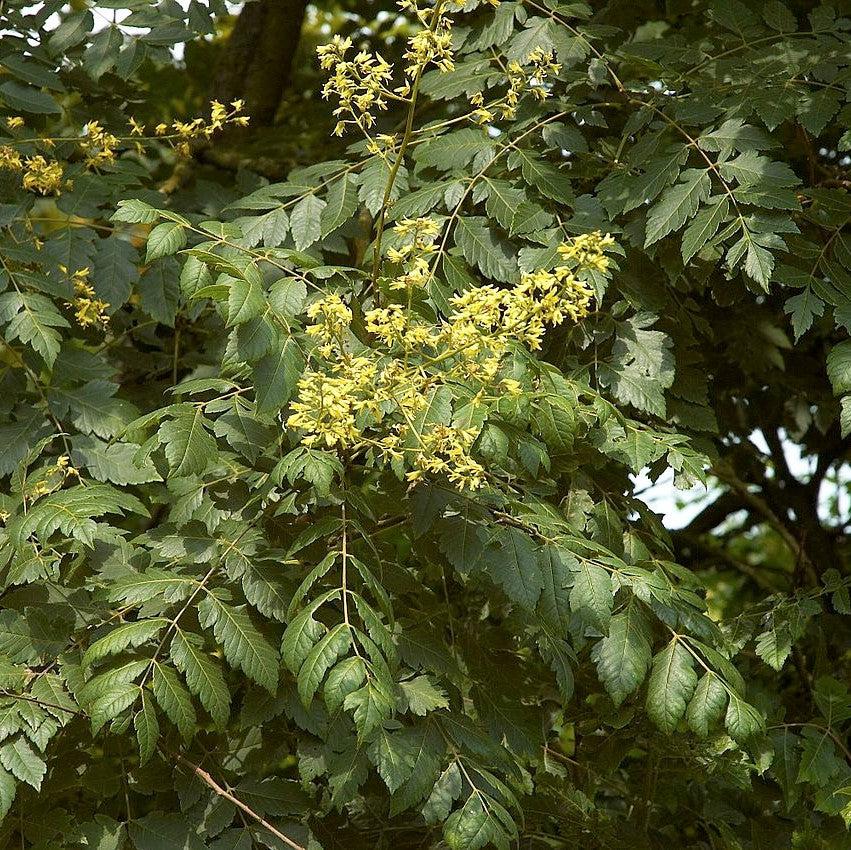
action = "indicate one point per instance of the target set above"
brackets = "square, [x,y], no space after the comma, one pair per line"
[222,792]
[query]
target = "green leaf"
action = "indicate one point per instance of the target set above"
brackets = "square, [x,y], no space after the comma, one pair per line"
[23,98]
[742,720]
[707,705]
[18,757]
[8,788]
[244,647]
[245,301]
[147,729]
[306,221]
[371,705]
[591,596]
[422,695]
[124,637]
[174,700]
[623,657]
[839,367]
[481,247]
[677,205]
[320,659]
[276,376]
[164,240]
[203,675]
[373,181]
[703,227]
[188,445]
[514,566]
[111,703]
[341,201]
[343,680]
[671,685]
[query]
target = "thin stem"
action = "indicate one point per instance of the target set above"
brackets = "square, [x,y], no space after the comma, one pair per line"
[403,147]
[227,795]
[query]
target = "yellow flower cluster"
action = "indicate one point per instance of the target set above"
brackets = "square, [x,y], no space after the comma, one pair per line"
[39,174]
[446,451]
[362,84]
[98,145]
[331,319]
[42,176]
[540,66]
[369,398]
[419,235]
[181,133]
[88,310]
[433,43]
[359,84]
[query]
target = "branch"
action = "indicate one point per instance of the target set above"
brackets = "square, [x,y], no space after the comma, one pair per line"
[715,513]
[209,781]
[761,506]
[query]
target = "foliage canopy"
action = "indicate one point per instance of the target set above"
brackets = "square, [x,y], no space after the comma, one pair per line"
[320,523]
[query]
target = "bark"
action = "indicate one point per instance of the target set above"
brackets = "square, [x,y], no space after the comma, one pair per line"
[257,61]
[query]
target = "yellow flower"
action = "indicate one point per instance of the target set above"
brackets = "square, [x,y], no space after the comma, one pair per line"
[15,122]
[88,310]
[10,158]
[42,176]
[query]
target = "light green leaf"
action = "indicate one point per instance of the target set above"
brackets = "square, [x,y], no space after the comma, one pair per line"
[305,221]
[188,445]
[18,757]
[164,240]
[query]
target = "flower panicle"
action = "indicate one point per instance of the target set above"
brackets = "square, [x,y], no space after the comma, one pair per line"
[358,397]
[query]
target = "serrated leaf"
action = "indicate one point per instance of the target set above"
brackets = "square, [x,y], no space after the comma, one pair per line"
[124,637]
[305,221]
[188,445]
[677,205]
[320,659]
[481,247]
[707,704]
[671,685]
[18,757]
[174,700]
[203,675]
[623,656]
[341,203]
[742,719]
[591,596]
[703,227]
[244,647]
[147,729]
[164,240]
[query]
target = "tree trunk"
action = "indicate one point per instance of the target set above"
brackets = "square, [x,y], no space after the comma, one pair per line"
[257,60]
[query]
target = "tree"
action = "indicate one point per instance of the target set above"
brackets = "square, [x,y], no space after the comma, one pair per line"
[320,523]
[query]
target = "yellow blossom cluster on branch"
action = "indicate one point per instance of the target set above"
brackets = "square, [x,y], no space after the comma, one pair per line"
[88,310]
[100,147]
[371,397]
[540,65]
[362,84]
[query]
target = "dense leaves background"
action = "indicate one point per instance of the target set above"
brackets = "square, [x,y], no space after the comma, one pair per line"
[539,663]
